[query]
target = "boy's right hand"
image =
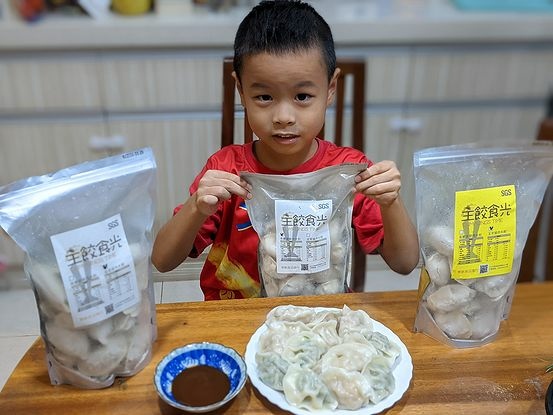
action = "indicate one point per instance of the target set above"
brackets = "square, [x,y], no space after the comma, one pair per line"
[216,186]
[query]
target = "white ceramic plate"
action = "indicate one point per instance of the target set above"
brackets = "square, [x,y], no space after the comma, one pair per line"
[402,374]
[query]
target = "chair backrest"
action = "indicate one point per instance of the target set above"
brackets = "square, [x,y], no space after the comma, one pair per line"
[540,233]
[350,68]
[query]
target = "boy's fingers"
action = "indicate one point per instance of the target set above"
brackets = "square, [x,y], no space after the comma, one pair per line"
[214,179]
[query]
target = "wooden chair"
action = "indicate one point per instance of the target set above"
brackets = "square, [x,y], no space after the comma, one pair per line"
[349,68]
[529,255]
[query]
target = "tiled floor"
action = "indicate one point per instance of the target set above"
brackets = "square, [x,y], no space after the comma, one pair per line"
[19,326]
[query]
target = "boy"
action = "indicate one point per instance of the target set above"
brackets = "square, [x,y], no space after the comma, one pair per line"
[285,69]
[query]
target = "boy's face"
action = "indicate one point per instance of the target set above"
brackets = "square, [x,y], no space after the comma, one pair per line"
[285,97]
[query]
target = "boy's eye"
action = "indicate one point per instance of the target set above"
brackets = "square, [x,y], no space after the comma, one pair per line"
[303,97]
[264,98]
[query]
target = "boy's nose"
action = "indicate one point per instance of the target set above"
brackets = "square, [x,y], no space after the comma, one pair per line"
[284,115]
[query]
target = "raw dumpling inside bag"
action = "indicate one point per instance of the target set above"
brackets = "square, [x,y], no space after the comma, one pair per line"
[475,206]
[86,233]
[304,227]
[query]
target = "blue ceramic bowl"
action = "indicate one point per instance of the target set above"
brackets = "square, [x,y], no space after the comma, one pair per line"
[216,355]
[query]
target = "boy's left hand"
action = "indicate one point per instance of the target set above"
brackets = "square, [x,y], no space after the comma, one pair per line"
[380,182]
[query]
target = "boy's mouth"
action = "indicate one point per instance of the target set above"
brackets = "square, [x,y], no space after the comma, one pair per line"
[285,138]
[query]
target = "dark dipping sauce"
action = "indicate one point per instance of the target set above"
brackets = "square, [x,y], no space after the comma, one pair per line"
[200,386]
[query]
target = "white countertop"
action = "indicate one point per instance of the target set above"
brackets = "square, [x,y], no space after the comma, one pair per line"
[354,23]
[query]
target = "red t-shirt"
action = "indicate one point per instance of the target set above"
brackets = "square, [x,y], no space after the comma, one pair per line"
[231,270]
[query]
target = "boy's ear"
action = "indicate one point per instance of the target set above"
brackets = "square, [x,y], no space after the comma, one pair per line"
[332,87]
[239,87]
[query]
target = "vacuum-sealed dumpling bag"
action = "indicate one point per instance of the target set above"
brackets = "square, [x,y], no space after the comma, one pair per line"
[304,227]
[86,233]
[475,206]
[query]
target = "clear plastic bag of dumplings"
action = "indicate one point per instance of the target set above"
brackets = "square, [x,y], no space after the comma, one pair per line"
[475,206]
[86,234]
[304,227]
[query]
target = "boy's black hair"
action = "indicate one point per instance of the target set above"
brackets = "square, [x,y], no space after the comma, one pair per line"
[283,26]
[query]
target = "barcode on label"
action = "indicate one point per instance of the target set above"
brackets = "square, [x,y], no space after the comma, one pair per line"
[484,268]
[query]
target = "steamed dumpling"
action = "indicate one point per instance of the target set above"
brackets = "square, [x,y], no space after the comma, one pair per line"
[351,389]
[354,320]
[380,378]
[271,368]
[304,349]
[349,356]
[304,389]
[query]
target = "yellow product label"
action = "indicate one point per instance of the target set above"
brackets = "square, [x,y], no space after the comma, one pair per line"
[485,232]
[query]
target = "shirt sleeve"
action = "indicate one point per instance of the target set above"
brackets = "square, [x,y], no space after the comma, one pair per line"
[367,221]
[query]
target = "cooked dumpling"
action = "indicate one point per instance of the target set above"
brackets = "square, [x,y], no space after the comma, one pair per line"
[354,320]
[384,347]
[304,389]
[351,389]
[380,378]
[349,356]
[278,333]
[290,313]
[304,349]
[271,368]
[328,332]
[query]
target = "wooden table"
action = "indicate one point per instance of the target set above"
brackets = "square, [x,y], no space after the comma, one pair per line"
[506,376]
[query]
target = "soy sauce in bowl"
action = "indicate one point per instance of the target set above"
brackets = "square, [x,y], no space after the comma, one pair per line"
[200,386]
[200,377]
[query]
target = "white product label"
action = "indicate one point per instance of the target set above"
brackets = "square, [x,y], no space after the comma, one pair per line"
[97,270]
[303,239]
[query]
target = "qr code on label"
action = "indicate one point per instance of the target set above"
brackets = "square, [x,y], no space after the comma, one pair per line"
[484,268]
[304,267]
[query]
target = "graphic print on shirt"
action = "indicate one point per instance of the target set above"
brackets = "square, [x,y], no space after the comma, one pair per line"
[232,275]
[245,223]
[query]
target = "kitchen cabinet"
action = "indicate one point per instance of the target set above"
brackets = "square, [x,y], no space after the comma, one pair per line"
[39,82]
[34,148]
[153,81]
[480,72]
